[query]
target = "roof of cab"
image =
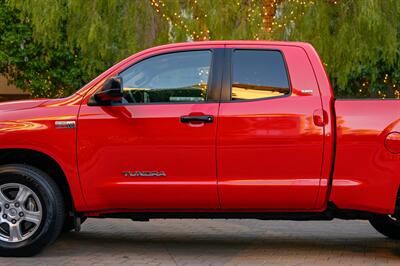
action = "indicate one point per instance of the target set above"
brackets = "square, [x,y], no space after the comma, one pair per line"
[232,42]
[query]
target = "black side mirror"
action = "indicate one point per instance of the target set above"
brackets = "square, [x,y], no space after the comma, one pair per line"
[110,92]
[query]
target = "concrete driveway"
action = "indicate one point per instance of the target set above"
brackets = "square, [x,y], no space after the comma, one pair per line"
[218,242]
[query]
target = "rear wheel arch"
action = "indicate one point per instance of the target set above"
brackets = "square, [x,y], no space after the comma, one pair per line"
[43,162]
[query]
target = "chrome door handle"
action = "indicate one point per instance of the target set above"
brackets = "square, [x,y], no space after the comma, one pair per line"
[200,118]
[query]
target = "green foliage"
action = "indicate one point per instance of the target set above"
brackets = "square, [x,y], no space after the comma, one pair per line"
[46,71]
[225,20]
[52,47]
[105,31]
[357,40]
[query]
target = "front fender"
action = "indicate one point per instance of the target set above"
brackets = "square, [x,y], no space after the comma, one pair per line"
[35,129]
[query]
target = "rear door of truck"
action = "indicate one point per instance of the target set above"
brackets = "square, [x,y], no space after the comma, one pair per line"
[270,129]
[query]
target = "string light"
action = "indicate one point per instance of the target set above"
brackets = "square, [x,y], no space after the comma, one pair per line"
[390,85]
[270,21]
[267,11]
[397,94]
[178,21]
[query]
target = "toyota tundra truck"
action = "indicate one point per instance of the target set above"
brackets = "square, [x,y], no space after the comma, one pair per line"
[222,129]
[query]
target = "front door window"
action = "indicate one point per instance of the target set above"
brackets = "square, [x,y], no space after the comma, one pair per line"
[168,78]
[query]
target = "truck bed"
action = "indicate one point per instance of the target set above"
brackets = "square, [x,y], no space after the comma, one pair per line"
[366,169]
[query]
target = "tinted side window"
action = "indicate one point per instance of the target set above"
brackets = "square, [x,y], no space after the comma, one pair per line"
[175,77]
[258,74]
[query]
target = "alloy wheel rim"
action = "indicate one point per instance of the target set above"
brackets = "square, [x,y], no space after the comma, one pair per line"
[20,212]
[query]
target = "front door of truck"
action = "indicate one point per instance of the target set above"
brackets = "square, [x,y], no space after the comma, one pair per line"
[269,149]
[156,149]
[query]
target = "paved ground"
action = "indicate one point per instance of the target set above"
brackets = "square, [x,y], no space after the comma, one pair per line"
[217,242]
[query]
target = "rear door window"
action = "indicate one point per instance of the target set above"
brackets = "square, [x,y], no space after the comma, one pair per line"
[258,74]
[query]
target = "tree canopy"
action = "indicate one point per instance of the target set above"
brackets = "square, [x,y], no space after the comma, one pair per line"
[53,47]
[357,40]
[50,70]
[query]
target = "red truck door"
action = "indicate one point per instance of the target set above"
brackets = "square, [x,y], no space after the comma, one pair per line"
[156,149]
[269,148]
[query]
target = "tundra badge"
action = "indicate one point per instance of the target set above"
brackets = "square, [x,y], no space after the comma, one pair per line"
[65,124]
[143,173]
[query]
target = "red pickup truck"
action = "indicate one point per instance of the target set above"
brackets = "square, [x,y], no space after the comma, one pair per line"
[224,129]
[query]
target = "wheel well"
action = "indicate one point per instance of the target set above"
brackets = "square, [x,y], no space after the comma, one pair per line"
[43,162]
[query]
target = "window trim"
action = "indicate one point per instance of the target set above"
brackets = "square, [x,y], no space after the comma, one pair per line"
[210,86]
[226,96]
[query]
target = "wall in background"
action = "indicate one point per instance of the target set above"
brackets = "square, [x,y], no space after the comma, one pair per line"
[9,92]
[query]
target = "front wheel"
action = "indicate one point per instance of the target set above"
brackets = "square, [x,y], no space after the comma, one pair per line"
[31,210]
[386,225]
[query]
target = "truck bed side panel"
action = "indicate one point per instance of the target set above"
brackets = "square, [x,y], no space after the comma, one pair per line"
[366,175]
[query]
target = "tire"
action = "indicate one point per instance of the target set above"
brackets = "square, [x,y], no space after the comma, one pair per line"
[386,225]
[34,217]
